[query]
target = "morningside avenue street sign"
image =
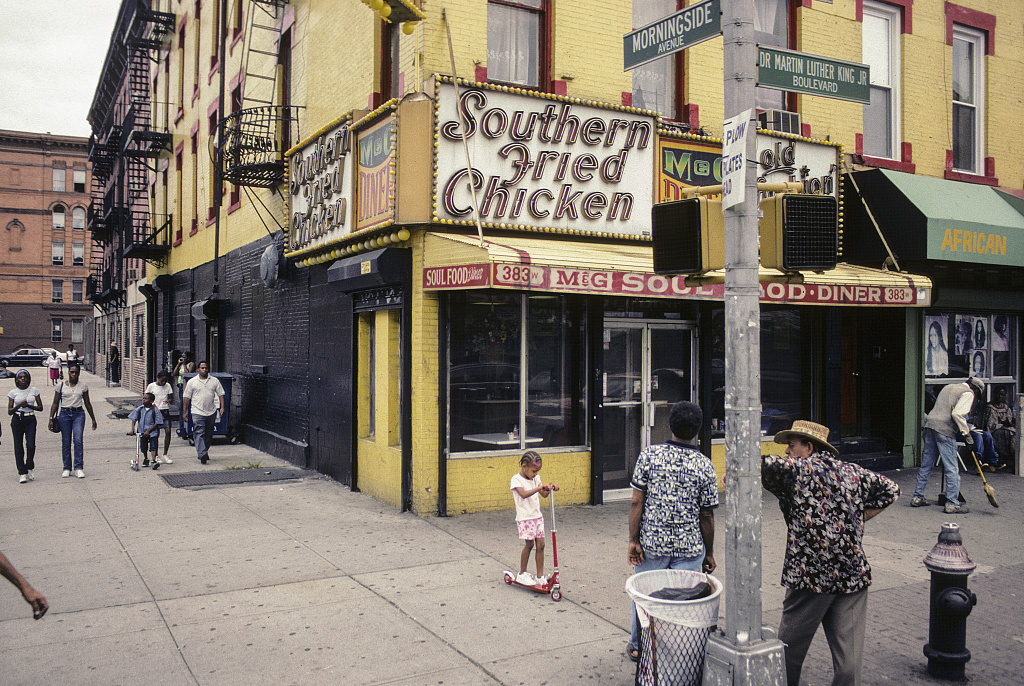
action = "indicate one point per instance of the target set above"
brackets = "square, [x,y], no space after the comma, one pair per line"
[800,72]
[687,27]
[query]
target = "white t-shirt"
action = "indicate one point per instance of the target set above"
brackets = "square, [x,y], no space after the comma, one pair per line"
[204,394]
[71,396]
[53,362]
[526,508]
[30,393]
[161,394]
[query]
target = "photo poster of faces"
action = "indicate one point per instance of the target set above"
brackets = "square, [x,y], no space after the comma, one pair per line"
[962,345]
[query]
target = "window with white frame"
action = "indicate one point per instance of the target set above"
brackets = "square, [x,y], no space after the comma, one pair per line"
[771,27]
[78,219]
[880,42]
[968,99]
[79,180]
[57,252]
[78,253]
[59,175]
[514,41]
[58,221]
[56,330]
[654,83]
[77,331]
[76,292]
[57,291]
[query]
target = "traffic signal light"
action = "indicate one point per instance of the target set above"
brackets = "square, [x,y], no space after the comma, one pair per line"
[799,232]
[688,236]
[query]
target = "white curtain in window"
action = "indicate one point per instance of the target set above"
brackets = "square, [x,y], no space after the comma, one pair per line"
[771,27]
[513,44]
[58,179]
[78,218]
[58,218]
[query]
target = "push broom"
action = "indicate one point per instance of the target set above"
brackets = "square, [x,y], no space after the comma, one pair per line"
[990,492]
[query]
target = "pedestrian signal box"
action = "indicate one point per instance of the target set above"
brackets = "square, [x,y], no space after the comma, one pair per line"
[688,236]
[799,232]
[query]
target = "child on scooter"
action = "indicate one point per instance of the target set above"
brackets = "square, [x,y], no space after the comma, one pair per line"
[149,421]
[526,491]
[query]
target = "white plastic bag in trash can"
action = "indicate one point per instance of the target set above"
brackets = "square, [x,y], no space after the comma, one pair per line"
[672,650]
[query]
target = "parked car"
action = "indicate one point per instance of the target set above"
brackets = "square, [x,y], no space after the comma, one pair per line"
[62,356]
[24,357]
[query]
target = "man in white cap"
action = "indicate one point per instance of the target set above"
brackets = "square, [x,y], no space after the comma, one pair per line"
[942,425]
[825,502]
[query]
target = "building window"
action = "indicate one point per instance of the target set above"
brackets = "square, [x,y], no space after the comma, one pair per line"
[654,83]
[195,53]
[15,229]
[510,391]
[78,219]
[515,42]
[77,331]
[79,180]
[57,252]
[968,99]
[881,52]
[140,330]
[771,27]
[57,291]
[77,254]
[76,292]
[195,183]
[58,218]
[59,176]
[181,69]
[56,330]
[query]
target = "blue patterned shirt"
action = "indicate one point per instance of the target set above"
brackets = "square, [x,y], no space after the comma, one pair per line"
[823,500]
[678,481]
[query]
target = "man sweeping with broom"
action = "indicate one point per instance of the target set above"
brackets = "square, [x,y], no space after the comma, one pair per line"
[942,425]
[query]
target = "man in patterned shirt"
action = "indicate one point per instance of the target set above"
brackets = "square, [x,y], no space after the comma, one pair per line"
[825,502]
[672,515]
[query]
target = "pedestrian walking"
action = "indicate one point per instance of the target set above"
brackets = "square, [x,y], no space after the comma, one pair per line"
[201,396]
[22,404]
[672,512]
[72,402]
[825,503]
[163,394]
[53,364]
[942,426]
[527,489]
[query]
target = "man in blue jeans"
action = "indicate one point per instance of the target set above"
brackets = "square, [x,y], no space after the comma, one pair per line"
[943,424]
[672,513]
[201,394]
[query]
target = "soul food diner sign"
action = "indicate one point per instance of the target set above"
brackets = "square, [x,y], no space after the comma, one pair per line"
[543,162]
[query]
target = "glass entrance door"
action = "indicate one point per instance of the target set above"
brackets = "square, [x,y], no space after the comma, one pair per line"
[648,367]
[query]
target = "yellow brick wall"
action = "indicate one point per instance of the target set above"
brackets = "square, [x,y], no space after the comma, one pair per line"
[482,484]
[425,351]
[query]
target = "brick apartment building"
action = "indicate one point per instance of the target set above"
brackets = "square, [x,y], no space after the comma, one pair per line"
[44,248]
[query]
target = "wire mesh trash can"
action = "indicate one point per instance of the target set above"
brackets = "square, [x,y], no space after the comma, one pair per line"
[673,633]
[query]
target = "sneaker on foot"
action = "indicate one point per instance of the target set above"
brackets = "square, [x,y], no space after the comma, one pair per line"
[204,459]
[156,464]
[541,581]
[168,460]
[525,578]
[23,479]
[30,476]
[145,462]
[135,466]
[80,473]
[955,509]
[918,501]
[66,473]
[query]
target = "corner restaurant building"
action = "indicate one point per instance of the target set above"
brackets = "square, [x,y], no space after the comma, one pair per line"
[547,328]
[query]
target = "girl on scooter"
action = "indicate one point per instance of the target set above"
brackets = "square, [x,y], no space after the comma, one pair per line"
[526,491]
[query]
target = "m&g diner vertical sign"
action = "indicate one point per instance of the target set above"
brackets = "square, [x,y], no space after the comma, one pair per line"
[376,174]
[543,162]
[319,188]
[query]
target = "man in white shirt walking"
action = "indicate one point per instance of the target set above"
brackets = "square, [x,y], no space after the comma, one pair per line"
[200,397]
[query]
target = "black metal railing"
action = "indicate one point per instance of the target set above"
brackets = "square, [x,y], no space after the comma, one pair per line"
[149,237]
[253,148]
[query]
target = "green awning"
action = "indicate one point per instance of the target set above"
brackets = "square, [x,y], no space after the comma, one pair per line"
[925,218]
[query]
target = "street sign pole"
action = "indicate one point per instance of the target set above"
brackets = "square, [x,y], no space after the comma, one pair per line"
[742,655]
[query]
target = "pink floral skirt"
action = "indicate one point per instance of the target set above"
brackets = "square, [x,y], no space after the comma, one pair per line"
[529,529]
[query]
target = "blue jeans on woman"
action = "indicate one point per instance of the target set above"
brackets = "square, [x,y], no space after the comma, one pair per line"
[652,562]
[23,428]
[72,426]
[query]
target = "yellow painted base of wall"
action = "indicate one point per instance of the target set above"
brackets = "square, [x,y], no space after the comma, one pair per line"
[482,484]
[768,447]
[379,471]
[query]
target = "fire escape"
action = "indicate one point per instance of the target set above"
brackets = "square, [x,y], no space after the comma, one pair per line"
[257,134]
[121,148]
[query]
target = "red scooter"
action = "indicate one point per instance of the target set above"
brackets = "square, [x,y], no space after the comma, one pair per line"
[552,586]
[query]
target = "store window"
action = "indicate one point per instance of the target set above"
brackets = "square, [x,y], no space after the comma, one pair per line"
[959,345]
[881,52]
[515,42]
[510,391]
[771,27]
[968,99]
[654,83]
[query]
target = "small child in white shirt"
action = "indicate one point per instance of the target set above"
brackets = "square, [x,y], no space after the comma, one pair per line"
[526,489]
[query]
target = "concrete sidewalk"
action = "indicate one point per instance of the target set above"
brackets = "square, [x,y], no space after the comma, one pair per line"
[305,582]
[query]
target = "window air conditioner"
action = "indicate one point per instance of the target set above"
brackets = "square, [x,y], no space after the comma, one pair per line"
[779,120]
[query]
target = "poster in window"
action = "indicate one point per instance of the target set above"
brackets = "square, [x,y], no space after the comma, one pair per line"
[980,333]
[936,354]
[1000,333]
[979,366]
[964,334]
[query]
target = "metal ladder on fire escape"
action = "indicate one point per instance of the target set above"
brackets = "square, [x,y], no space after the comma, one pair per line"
[262,35]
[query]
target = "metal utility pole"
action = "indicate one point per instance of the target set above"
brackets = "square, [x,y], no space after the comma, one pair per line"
[742,654]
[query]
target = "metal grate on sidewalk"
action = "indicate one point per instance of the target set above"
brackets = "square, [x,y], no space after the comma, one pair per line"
[222,477]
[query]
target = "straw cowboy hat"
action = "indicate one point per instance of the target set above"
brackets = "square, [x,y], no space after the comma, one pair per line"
[816,433]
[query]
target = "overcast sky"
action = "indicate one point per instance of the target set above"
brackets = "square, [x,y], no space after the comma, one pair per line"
[51,53]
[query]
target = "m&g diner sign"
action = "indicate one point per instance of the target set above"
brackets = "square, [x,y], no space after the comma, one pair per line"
[550,163]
